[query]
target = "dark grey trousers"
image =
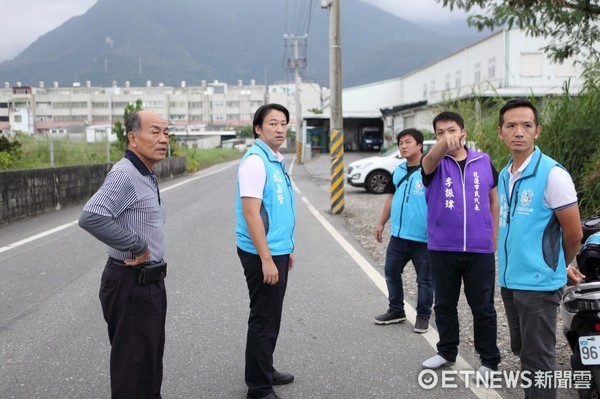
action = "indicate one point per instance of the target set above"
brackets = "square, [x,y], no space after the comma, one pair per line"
[531,319]
[135,315]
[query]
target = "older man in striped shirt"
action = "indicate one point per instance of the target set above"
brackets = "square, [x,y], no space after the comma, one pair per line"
[127,214]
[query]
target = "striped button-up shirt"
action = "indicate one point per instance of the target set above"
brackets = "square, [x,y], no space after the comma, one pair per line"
[126,213]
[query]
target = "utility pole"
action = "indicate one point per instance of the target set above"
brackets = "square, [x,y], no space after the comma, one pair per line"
[336,121]
[296,64]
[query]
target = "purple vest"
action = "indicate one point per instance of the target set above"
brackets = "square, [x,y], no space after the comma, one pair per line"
[459,217]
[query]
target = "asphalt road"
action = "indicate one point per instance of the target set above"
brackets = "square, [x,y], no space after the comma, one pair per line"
[53,340]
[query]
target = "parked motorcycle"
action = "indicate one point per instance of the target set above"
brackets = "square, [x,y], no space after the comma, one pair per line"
[580,311]
[590,225]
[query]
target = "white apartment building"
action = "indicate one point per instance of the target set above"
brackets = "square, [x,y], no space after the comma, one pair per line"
[507,63]
[89,111]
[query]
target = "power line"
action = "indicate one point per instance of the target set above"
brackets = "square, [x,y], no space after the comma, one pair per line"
[298,20]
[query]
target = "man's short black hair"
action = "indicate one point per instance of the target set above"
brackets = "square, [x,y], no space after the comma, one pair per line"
[263,110]
[448,116]
[417,135]
[517,103]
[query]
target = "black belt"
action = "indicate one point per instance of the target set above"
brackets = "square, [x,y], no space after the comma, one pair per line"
[148,272]
[119,262]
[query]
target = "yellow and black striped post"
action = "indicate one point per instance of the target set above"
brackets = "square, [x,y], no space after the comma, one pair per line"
[336,148]
[298,151]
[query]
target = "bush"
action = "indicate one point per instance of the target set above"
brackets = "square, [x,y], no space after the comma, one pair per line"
[10,151]
[5,160]
[570,136]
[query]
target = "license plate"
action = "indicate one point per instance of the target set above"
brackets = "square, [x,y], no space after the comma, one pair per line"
[589,349]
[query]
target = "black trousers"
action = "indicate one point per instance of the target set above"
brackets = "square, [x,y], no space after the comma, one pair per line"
[135,315]
[477,272]
[266,304]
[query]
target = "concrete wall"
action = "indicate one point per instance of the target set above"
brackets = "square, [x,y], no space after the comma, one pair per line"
[26,193]
[373,96]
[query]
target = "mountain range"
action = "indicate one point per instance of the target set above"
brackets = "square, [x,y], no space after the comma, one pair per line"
[225,40]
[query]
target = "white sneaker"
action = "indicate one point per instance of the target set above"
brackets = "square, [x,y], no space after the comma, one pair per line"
[435,362]
[483,375]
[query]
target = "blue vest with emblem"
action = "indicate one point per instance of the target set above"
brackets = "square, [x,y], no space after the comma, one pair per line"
[530,251]
[277,211]
[408,217]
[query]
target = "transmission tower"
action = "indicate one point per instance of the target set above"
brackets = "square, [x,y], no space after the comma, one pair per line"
[295,65]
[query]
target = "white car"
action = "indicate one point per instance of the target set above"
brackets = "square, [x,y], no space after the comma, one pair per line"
[373,173]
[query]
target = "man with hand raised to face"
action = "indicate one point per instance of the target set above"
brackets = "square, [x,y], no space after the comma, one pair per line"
[462,203]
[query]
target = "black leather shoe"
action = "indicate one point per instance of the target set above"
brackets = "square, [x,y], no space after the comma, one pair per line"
[282,378]
[270,396]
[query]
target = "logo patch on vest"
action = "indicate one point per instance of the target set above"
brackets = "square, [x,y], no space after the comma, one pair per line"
[526,197]
[419,189]
[525,201]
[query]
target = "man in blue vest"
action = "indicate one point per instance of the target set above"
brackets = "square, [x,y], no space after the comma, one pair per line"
[406,209]
[539,235]
[462,210]
[265,241]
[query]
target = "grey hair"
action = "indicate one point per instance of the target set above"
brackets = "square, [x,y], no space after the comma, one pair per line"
[133,122]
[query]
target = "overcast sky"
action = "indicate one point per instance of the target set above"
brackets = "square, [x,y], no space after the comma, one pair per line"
[428,11]
[23,21]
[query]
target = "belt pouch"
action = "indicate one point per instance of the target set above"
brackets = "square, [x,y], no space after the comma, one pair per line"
[152,273]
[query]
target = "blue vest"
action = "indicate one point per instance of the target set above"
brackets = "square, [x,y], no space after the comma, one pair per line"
[459,217]
[408,217]
[277,210]
[530,251]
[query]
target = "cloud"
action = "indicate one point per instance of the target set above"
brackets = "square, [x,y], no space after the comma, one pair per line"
[24,21]
[421,11]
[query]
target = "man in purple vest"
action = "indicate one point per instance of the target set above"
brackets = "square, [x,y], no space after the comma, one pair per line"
[462,200]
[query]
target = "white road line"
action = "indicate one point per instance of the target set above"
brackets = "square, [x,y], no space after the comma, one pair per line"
[379,280]
[37,236]
[73,223]
[191,179]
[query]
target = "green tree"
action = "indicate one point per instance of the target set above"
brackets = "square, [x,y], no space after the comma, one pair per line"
[571,24]
[246,131]
[119,127]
